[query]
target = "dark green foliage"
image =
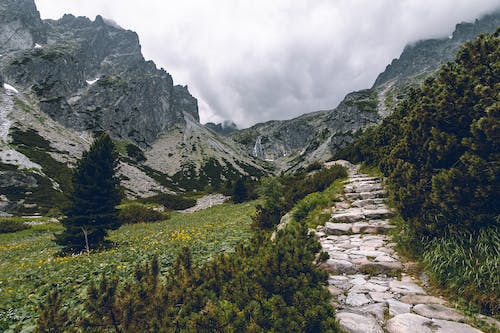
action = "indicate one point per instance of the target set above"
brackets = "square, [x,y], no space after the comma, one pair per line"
[263,287]
[268,215]
[277,200]
[94,198]
[37,149]
[135,153]
[316,165]
[8,225]
[137,213]
[440,148]
[53,318]
[170,201]
[299,185]
[239,191]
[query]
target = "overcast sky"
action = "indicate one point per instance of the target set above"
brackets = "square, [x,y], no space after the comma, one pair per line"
[256,60]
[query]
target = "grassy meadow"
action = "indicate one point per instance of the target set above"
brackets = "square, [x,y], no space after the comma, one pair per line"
[30,267]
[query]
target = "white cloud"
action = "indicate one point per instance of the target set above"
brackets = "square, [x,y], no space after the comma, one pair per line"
[257,60]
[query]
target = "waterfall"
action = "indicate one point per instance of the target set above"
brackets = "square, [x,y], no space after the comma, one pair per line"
[258,151]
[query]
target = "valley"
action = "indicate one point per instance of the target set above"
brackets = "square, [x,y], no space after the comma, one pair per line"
[121,212]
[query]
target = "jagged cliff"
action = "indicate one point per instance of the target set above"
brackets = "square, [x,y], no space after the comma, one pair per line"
[69,78]
[317,136]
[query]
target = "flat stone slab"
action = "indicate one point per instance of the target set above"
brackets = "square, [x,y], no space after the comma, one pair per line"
[412,323]
[397,307]
[407,288]
[367,202]
[356,299]
[422,299]
[349,215]
[337,228]
[379,213]
[338,266]
[358,323]
[438,311]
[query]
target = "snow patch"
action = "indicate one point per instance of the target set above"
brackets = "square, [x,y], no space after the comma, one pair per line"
[91,82]
[38,46]
[11,88]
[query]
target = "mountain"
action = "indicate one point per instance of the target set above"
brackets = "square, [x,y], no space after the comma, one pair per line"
[225,128]
[319,135]
[65,80]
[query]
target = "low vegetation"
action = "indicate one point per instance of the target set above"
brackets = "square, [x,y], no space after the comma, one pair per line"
[439,151]
[170,201]
[30,267]
[8,225]
[139,213]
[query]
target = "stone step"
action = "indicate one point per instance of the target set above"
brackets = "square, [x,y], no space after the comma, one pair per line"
[365,195]
[363,188]
[372,227]
[367,202]
[359,178]
[355,214]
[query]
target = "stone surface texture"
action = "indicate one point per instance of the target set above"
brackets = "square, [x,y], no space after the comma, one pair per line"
[372,292]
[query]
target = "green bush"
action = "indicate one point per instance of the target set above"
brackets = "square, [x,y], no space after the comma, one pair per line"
[316,165]
[308,204]
[8,225]
[262,287]
[137,213]
[170,201]
[467,264]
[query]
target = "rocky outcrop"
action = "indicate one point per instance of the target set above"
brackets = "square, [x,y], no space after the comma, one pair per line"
[313,136]
[91,75]
[427,55]
[21,26]
[372,292]
[225,128]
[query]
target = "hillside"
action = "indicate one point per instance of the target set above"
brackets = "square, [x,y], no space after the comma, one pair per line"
[64,80]
[319,135]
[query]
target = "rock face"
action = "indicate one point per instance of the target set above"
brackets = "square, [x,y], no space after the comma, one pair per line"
[313,136]
[21,25]
[427,55]
[319,135]
[69,78]
[91,75]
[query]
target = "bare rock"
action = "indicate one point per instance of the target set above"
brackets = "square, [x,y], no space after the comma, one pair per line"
[438,311]
[421,299]
[358,323]
[337,228]
[407,288]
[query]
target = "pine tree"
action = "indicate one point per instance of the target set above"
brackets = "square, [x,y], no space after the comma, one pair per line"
[239,191]
[95,195]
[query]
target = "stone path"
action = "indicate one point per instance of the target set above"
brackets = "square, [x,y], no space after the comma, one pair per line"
[372,292]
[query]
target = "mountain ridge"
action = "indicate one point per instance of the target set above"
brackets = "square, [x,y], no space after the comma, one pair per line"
[320,137]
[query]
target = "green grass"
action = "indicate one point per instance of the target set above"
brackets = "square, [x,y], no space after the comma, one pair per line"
[371,170]
[467,266]
[29,267]
[310,208]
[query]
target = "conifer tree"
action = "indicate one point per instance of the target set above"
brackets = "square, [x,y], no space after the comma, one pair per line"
[95,195]
[240,191]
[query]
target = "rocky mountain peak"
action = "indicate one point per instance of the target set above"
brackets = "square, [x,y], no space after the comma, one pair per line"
[426,56]
[21,25]
[90,75]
